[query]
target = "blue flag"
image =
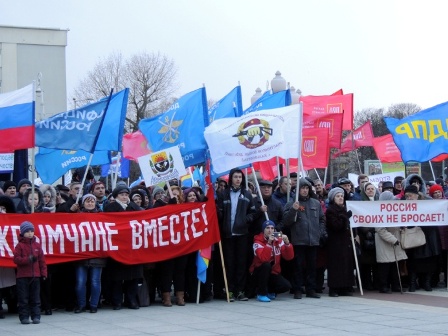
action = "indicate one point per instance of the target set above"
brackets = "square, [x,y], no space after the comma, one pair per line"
[422,136]
[270,101]
[183,125]
[52,164]
[79,129]
[230,106]
[123,172]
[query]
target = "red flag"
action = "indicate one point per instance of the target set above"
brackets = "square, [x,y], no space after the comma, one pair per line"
[315,148]
[440,158]
[333,122]
[321,105]
[338,92]
[362,136]
[135,145]
[386,150]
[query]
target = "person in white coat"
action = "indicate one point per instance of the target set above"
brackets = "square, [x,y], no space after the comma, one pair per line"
[388,252]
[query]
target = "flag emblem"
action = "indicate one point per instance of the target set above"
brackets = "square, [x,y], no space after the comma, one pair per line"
[161,163]
[170,129]
[254,133]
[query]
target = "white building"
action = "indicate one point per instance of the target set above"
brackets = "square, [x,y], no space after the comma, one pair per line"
[35,54]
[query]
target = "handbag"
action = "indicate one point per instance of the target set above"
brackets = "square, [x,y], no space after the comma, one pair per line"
[412,237]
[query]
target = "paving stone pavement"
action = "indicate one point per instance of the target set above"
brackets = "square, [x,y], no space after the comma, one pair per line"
[419,313]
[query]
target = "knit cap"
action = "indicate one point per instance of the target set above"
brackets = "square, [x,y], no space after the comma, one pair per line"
[156,190]
[332,193]
[25,227]
[86,196]
[22,182]
[267,223]
[8,184]
[434,188]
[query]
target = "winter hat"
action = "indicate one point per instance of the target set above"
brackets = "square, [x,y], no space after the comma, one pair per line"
[8,184]
[387,195]
[86,196]
[25,227]
[156,190]
[267,223]
[398,179]
[439,181]
[22,182]
[265,183]
[332,193]
[388,185]
[120,188]
[434,188]
[411,189]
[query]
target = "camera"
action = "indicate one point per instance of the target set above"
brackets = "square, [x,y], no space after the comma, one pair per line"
[277,234]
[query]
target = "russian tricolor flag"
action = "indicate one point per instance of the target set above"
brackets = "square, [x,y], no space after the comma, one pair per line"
[17,119]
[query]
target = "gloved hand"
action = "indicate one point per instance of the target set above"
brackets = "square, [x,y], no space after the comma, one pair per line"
[32,258]
[397,243]
[349,213]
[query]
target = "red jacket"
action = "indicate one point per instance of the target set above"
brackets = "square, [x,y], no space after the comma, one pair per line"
[25,267]
[265,252]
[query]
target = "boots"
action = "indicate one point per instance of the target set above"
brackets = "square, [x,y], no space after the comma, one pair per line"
[180,298]
[428,286]
[166,299]
[412,282]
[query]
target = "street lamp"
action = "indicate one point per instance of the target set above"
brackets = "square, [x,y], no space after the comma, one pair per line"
[256,96]
[278,83]
[40,93]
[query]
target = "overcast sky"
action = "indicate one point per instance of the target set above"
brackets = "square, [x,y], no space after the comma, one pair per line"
[384,51]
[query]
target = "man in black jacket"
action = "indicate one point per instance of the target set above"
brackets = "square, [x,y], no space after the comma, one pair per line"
[235,208]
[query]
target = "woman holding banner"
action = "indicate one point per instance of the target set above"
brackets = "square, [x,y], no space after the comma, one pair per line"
[172,271]
[125,278]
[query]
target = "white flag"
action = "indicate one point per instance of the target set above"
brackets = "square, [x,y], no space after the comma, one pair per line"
[257,136]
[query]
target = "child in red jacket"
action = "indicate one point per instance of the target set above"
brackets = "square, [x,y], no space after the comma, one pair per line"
[269,248]
[31,266]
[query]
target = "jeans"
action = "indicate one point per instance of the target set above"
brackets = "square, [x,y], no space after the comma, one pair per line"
[305,255]
[95,285]
[28,293]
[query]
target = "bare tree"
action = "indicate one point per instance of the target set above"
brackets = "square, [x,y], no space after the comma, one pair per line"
[149,76]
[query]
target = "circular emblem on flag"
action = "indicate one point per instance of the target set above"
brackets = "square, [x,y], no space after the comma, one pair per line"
[254,133]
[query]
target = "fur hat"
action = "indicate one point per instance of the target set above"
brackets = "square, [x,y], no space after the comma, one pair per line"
[8,184]
[388,185]
[267,223]
[398,179]
[120,188]
[332,193]
[411,189]
[25,227]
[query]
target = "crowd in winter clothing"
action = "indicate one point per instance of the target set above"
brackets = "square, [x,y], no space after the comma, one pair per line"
[277,236]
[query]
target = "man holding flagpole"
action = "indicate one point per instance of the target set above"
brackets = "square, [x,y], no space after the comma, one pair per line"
[306,221]
[235,208]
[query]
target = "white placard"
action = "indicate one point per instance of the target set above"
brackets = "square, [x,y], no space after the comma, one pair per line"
[7,163]
[162,166]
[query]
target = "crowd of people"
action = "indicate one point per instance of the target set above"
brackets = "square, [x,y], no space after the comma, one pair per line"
[282,237]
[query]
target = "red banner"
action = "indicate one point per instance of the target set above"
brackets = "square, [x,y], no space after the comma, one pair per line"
[322,105]
[386,150]
[332,122]
[129,237]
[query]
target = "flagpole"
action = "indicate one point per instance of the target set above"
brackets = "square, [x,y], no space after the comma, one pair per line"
[191,176]
[84,178]
[299,154]
[359,163]
[288,185]
[356,261]
[325,176]
[259,192]
[33,176]
[226,286]
[432,170]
